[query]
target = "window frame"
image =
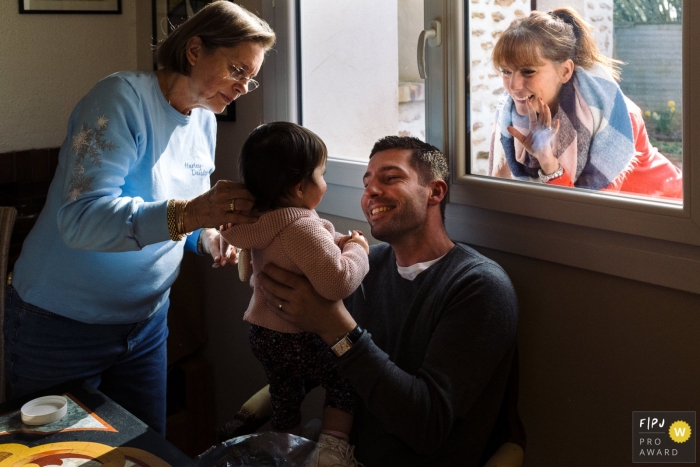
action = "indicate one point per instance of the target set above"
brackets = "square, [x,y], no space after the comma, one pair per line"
[645,240]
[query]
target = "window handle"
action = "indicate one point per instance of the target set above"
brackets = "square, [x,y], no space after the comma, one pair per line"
[434,38]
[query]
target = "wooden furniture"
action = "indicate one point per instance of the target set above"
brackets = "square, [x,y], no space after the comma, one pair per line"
[7,222]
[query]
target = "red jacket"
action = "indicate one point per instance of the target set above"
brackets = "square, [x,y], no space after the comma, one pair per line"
[649,173]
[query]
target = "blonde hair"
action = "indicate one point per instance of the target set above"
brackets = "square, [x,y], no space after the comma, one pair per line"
[218,24]
[559,35]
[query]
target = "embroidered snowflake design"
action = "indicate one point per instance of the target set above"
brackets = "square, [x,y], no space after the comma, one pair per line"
[102,122]
[88,143]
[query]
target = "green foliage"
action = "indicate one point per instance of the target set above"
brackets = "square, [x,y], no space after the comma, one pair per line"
[648,11]
[668,148]
[663,118]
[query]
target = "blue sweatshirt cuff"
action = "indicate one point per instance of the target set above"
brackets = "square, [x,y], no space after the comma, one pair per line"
[191,242]
[151,223]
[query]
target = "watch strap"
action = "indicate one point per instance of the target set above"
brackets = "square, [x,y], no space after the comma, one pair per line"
[346,342]
[355,334]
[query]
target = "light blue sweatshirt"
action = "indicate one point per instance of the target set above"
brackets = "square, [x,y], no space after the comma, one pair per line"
[100,251]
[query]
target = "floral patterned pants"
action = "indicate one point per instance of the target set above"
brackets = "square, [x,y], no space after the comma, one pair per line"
[293,363]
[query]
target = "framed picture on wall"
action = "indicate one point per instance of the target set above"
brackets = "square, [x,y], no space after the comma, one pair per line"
[71,6]
[168,15]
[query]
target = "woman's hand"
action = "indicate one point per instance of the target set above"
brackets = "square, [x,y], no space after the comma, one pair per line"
[542,134]
[293,298]
[226,202]
[221,252]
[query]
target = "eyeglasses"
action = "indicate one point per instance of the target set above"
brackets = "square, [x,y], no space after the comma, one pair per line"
[238,74]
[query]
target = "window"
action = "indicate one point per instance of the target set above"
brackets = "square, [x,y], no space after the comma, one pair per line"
[642,239]
[594,143]
[359,78]
[358,81]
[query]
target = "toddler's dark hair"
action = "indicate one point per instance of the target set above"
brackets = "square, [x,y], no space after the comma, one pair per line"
[275,157]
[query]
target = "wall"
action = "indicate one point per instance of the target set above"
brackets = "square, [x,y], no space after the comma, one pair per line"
[66,55]
[594,348]
[652,75]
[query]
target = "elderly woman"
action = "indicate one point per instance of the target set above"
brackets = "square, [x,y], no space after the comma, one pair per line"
[90,290]
[564,119]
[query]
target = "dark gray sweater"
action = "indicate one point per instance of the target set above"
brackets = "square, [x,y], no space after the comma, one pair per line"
[432,368]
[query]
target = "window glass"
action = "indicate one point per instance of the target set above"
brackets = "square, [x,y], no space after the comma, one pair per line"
[359,75]
[615,135]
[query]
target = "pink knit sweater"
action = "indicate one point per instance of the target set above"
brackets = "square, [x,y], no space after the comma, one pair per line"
[299,241]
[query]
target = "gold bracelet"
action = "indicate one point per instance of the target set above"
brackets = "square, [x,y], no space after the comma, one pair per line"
[181,217]
[175,234]
[184,213]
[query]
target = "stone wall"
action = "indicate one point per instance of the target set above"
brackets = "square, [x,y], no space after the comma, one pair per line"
[487,21]
[411,86]
[600,14]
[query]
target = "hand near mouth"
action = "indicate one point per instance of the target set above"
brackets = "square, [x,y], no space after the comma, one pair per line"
[542,134]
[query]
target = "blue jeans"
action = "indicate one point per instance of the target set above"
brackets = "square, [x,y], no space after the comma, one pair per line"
[127,362]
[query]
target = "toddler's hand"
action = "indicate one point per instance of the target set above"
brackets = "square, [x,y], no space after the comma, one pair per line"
[343,240]
[224,253]
[358,238]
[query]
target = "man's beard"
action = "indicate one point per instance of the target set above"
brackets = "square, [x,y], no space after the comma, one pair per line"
[401,224]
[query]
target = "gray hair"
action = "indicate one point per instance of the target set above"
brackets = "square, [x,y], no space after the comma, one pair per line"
[218,24]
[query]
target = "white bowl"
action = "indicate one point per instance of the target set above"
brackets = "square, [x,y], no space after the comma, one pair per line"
[44,410]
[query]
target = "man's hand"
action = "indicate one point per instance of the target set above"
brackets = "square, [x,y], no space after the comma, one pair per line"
[293,298]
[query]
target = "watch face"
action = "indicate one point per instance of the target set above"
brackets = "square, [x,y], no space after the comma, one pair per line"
[342,346]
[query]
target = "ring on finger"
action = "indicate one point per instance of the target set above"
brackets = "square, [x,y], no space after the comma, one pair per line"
[232,205]
[548,128]
[280,305]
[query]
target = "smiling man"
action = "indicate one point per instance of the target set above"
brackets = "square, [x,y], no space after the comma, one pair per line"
[428,340]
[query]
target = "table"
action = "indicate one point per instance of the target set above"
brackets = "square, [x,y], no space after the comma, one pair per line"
[96,431]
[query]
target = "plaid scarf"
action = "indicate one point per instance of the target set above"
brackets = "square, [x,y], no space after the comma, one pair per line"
[594,145]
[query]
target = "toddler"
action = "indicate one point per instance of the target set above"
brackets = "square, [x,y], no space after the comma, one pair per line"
[282,165]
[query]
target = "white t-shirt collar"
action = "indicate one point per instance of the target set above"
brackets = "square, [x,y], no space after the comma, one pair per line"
[412,271]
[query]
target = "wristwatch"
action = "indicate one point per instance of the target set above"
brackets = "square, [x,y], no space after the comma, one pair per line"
[346,342]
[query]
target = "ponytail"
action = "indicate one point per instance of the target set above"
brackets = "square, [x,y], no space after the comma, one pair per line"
[586,52]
